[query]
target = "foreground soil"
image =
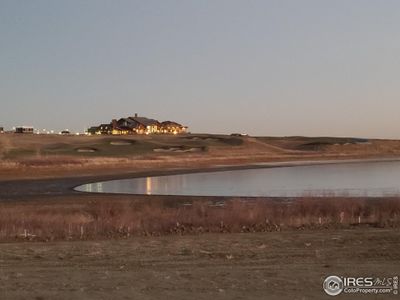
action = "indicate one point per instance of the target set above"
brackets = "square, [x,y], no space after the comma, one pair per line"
[274,265]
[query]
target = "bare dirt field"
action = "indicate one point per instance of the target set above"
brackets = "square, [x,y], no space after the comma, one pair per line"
[273,265]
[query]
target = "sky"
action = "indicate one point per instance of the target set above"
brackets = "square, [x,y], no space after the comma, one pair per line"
[276,68]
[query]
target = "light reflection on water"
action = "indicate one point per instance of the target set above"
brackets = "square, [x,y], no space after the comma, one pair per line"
[148,185]
[372,179]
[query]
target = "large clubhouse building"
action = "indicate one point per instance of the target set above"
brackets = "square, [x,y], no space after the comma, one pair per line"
[137,125]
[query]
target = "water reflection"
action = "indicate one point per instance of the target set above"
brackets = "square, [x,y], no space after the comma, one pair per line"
[148,185]
[370,179]
[160,185]
[99,188]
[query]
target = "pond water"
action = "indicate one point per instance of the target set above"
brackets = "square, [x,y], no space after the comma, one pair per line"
[372,179]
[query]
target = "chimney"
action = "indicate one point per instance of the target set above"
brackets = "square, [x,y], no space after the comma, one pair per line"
[114,123]
[136,115]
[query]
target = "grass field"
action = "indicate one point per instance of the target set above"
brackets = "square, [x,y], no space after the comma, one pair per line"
[99,218]
[36,156]
[16,146]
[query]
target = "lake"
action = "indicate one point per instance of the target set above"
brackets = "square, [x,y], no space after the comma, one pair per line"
[371,179]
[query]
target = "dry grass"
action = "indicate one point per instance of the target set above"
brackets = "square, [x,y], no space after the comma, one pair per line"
[124,218]
[42,156]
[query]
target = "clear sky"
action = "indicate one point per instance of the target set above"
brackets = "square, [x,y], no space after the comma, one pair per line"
[262,67]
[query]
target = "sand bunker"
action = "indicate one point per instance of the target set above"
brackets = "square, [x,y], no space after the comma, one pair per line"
[121,143]
[179,149]
[86,150]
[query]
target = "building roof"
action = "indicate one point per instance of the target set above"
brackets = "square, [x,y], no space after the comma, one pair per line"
[145,121]
[171,123]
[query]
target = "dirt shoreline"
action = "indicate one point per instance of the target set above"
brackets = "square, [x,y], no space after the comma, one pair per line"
[23,189]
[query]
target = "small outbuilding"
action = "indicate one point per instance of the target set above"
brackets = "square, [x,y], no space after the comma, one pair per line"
[24,129]
[93,130]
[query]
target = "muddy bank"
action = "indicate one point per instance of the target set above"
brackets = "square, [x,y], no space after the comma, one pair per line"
[25,189]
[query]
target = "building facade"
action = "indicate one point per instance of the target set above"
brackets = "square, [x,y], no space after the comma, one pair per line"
[137,125]
[24,129]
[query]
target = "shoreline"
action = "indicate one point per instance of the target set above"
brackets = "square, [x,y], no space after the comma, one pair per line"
[18,189]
